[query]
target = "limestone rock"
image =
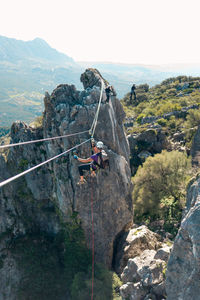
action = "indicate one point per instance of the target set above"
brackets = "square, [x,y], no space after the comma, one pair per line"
[163,253]
[135,290]
[146,272]
[195,149]
[143,275]
[151,141]
[137,240]
[91,77]
[182,276]
[37,200]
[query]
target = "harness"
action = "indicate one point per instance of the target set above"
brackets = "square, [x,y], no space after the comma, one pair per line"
[103,161]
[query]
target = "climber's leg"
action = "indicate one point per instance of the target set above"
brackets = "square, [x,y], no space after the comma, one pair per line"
[82,168]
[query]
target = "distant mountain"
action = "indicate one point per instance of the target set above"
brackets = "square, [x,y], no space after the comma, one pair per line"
[37,50]
[28,69]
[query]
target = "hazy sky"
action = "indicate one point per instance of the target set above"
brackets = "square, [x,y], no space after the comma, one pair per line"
[129,31]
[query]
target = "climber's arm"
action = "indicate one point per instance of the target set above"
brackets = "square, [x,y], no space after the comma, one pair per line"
[85,160]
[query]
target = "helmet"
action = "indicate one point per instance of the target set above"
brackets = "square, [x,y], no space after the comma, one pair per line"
[99,145]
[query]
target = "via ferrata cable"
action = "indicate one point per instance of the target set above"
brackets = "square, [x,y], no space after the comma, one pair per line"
[42,140]
[39,165]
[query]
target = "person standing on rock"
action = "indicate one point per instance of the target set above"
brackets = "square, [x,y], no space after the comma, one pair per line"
[108,91]
[133,93]
[97,160]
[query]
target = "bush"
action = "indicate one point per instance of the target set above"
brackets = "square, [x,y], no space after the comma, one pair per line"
[193,118]
[161,177]
[140,117]
[106,285]
[49,262]
[162,122]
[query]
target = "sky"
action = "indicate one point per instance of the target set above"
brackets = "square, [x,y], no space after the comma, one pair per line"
[126,31]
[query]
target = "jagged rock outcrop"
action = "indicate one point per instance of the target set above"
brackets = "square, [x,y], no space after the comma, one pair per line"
[144,273]
[133,243]
[151,140]
[195,149]
[37,200]
[183,270]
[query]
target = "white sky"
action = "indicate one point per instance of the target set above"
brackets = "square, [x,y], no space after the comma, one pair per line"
[128,31]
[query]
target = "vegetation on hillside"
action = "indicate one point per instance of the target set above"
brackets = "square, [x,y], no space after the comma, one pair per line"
[160,189]
[60,264]
[4,130]
[160,182]
[172,95]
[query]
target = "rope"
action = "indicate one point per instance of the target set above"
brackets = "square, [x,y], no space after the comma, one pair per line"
[41,140]
[39,165]
[92,244]
[94,123]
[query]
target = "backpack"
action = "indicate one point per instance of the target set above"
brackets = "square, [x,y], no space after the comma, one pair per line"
[103,160]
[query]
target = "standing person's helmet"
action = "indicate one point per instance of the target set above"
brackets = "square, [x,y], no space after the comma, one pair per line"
[99,145]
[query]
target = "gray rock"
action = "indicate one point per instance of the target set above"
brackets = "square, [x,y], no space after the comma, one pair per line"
[163,253]
[132,291]
[137,240]
[183,270]
[195,149]
[30,202]
[144,276]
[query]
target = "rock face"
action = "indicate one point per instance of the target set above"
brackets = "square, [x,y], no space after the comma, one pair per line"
[28,202]
[195,150]
[151,140]
[133,243]
[144,272]
[183,270]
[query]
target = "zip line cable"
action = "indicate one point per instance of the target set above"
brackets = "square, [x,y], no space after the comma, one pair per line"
[39,165]
[42,140]
[92,130]
[94,123]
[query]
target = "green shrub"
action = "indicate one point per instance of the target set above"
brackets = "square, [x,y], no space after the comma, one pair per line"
[161,179]
[162,122]
[193,118]
[139,118]
[50,262]
[106,285]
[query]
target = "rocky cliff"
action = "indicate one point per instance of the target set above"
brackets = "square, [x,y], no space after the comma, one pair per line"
[183,270]
[45,198]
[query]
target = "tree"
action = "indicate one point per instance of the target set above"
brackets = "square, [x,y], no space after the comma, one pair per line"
[162,176]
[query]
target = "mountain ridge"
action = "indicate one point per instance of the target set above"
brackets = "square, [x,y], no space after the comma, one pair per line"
[13,50]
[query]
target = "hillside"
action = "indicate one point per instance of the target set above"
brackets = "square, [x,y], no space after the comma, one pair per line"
[15,51]
[28,69]
[172,105]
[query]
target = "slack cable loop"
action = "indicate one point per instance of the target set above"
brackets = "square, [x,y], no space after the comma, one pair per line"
[42,140]
[41,164]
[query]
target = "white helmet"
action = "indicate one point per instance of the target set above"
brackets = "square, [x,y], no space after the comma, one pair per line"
[99,145]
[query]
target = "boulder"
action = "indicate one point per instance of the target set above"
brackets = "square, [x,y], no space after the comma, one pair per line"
[133,291]
[146,273]
[182,275]
[195,149]
[146,143]
[135,242]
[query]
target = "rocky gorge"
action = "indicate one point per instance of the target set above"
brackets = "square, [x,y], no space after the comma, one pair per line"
[46,217]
